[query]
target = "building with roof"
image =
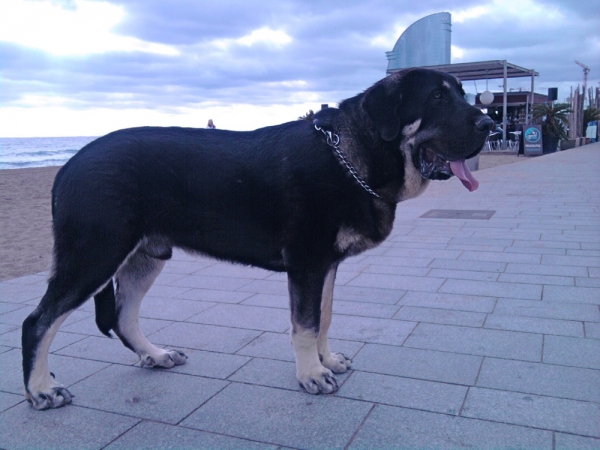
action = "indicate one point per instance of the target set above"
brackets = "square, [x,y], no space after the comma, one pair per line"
[425,43]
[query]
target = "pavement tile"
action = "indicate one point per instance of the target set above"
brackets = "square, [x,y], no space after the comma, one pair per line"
[68,370]
[572,294]
[6,328]
[396,270]
[203,337]
[368,294]
[397,282]
[463,275]
[550,310]
[541,379]
[18,293]
[441,316]
[423,253]
[391,427]
[592,330]
[369,329]
[477,341]
[587,282]
[8,307]
[501,257]
[210,364]
[100,349]
[211,282]
[160,290]
[265,287]
[545,269]
[235,271]
[406,392]
[268,300]
[172,308]
[8,401]
[536,279]
[281,417]
[414,363]
[474,266]
[210,295]
[160,436]
[273,373]
[398,261]
[571,442]
[557,414]
[88,326]
[13,339]
[588,261]
[456,302]
[364,309]
[154,394]
[492,289]
[65,428]
[242,316]
[279,346]
[573,352]
[534,325]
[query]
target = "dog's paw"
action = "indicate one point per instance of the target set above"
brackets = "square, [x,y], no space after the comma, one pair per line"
[52,398]
[166,359]
[336,362]
[321,382]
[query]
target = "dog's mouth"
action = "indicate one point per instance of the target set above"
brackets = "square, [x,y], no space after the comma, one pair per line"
[434,167]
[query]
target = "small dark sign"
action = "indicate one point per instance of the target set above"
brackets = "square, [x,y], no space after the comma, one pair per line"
[532,140]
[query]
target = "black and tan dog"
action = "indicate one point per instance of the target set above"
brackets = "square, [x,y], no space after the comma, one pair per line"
[293,198]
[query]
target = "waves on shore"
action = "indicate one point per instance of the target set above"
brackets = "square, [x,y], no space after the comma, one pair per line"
[19,153]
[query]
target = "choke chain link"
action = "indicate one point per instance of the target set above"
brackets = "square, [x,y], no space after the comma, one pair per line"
[333,140]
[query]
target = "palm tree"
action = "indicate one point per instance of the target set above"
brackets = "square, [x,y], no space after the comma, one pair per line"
[555,118]
[589,115]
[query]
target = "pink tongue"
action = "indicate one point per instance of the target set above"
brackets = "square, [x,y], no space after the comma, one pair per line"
[460,169]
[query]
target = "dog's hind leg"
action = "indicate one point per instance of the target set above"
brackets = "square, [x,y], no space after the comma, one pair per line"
[62,297]
[305,301]
[132,282]
[338,362]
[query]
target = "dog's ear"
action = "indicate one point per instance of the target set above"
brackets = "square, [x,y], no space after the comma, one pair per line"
[381,102]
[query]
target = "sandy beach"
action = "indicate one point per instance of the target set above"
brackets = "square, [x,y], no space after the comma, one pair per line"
[25,216]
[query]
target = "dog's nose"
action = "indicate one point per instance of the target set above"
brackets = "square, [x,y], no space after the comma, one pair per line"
[484,123]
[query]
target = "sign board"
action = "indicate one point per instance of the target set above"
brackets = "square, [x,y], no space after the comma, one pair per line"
[532,140]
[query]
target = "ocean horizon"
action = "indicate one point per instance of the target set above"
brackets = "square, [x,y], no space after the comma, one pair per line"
[21,153]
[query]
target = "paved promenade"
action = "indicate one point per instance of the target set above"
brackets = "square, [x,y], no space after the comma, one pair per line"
[465,332]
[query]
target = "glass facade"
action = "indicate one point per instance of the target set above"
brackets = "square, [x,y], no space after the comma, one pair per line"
[425,43]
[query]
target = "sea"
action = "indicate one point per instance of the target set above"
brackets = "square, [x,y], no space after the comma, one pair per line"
[20,153]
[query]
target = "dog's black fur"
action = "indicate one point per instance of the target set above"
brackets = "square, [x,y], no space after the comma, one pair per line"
[276,198]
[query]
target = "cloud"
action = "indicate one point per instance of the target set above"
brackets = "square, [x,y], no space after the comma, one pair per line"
[195,58]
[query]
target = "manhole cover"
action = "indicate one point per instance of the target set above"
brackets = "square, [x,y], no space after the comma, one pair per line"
[458,214]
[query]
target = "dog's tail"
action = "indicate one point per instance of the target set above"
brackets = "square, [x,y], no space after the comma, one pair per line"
[106,310]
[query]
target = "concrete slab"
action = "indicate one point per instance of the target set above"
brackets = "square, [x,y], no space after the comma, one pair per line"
[389,427]
[280,417]
[153,394]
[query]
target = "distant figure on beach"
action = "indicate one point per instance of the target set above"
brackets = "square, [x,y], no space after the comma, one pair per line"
[211,125]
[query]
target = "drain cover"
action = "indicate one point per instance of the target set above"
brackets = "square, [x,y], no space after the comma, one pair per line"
[458,214]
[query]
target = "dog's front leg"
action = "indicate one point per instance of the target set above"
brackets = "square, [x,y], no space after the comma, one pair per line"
[305,301]
[336,362]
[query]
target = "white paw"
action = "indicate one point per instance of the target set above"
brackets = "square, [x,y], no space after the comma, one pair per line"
[318,381]
[166,359]
[336,362]
[54,397]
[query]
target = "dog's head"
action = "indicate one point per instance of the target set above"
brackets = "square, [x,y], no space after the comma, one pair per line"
[427,113]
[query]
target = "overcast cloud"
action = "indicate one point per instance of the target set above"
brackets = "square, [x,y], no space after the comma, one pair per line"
[90,67]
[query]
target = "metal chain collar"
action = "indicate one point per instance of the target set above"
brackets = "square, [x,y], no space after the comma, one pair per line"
[334,141]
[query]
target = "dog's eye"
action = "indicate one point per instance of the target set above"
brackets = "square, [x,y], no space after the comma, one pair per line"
[437,95]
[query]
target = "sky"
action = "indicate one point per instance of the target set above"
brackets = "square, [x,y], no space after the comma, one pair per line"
[86,67]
